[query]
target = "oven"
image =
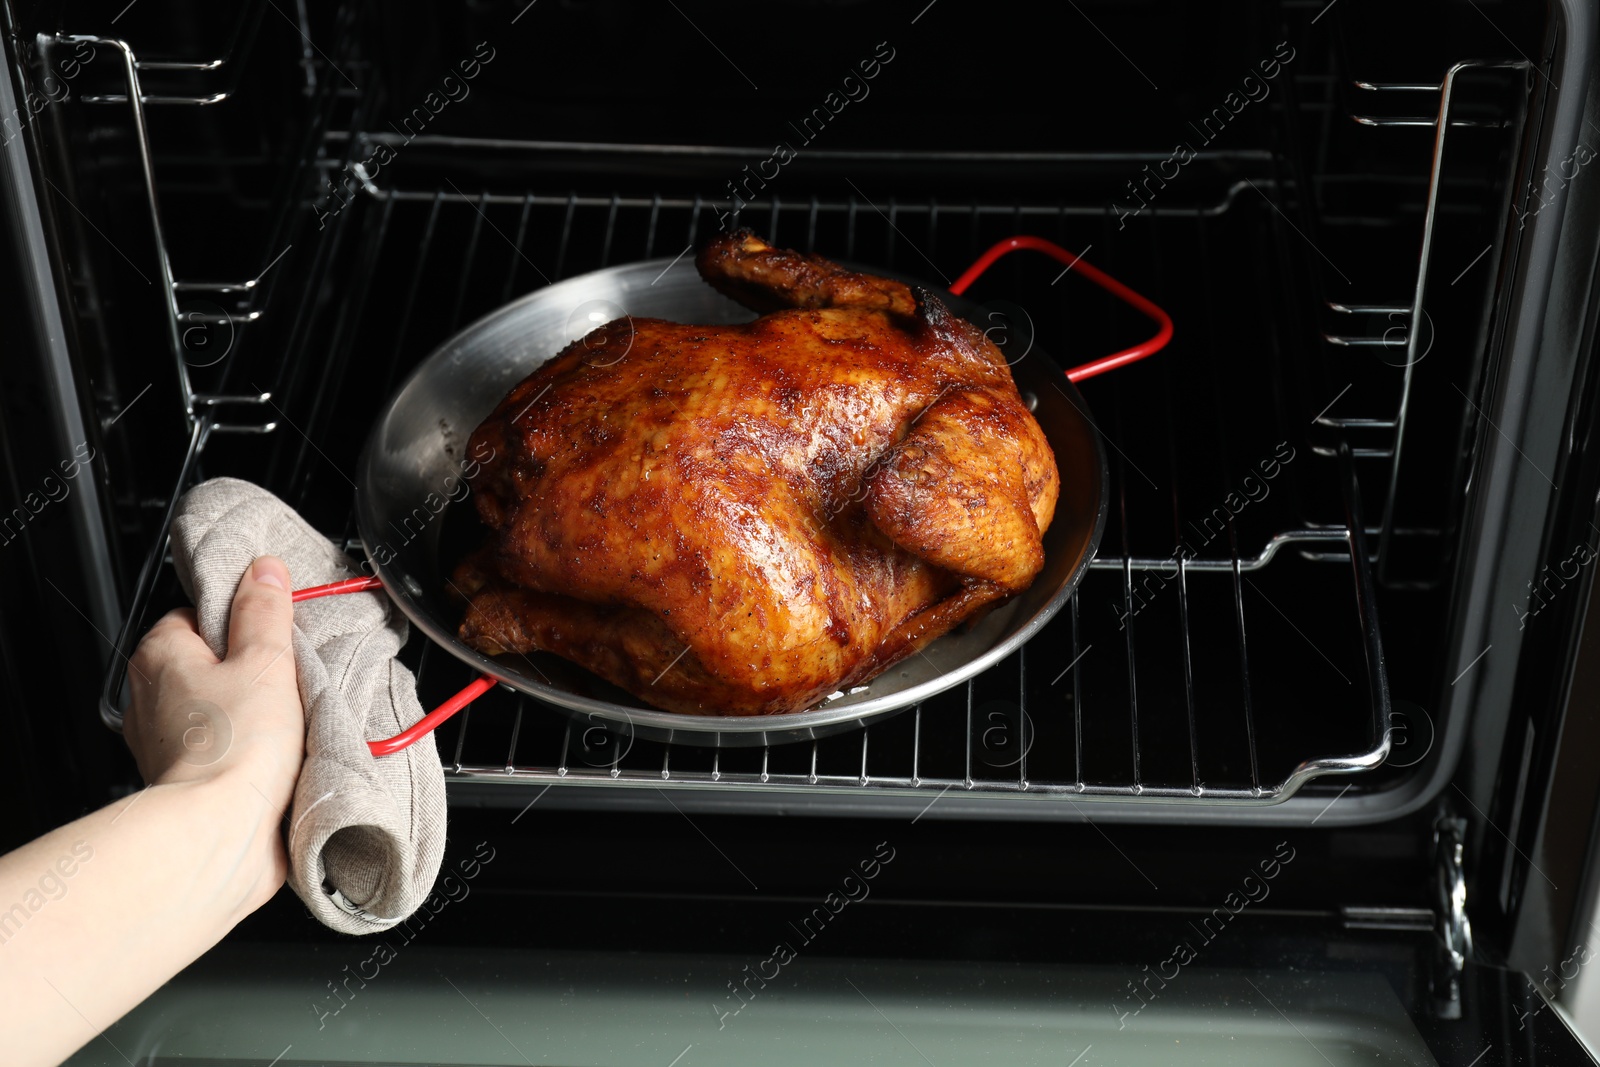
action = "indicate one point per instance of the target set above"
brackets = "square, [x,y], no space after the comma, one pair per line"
[1300,773]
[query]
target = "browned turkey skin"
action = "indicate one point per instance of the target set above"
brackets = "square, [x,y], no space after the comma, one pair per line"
[741,520]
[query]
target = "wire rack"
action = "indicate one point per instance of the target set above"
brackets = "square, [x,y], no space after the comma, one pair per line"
[1170,676]
[1218,653]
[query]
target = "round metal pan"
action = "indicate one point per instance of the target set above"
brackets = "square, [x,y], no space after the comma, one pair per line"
[410,496]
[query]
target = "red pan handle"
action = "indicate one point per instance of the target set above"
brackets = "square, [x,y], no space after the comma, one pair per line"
[425,725]
[348,585]
[1075,262]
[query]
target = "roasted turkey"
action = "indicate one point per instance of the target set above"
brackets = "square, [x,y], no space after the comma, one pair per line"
[742,520]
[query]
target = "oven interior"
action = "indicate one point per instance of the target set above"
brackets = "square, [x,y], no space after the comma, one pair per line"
[346,186]
[267,215]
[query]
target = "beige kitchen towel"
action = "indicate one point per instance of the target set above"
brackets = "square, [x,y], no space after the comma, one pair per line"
[366,834]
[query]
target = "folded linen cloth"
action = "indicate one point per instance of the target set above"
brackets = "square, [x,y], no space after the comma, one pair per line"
[366,834]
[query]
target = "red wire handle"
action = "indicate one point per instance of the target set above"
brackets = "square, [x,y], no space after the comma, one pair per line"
[348,585]
[429,722]
[423,726]
[1094,274]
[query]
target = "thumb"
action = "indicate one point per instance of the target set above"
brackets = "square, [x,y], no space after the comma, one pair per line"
[262,622]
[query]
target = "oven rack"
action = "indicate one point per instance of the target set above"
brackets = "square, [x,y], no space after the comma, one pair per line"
[456,237]
[1322,542]
[517,740]
[544,746]
[896,759]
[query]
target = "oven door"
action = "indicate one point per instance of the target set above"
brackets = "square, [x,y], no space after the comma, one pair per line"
[564,938]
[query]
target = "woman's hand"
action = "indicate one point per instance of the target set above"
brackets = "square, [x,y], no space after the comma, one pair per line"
[234,724]
[117,902]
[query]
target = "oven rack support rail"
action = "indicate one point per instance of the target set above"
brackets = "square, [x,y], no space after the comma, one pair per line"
[199,406]
[206,413]
[1413,311]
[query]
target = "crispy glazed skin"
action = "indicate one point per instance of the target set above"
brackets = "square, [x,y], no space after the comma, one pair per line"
[744,519]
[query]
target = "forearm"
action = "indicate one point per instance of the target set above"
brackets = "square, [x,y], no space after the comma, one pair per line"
[98,914]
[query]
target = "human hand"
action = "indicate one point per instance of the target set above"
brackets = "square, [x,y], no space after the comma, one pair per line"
[235,722]
[219,744]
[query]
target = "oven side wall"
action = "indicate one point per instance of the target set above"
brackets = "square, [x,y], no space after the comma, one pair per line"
[58,592]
